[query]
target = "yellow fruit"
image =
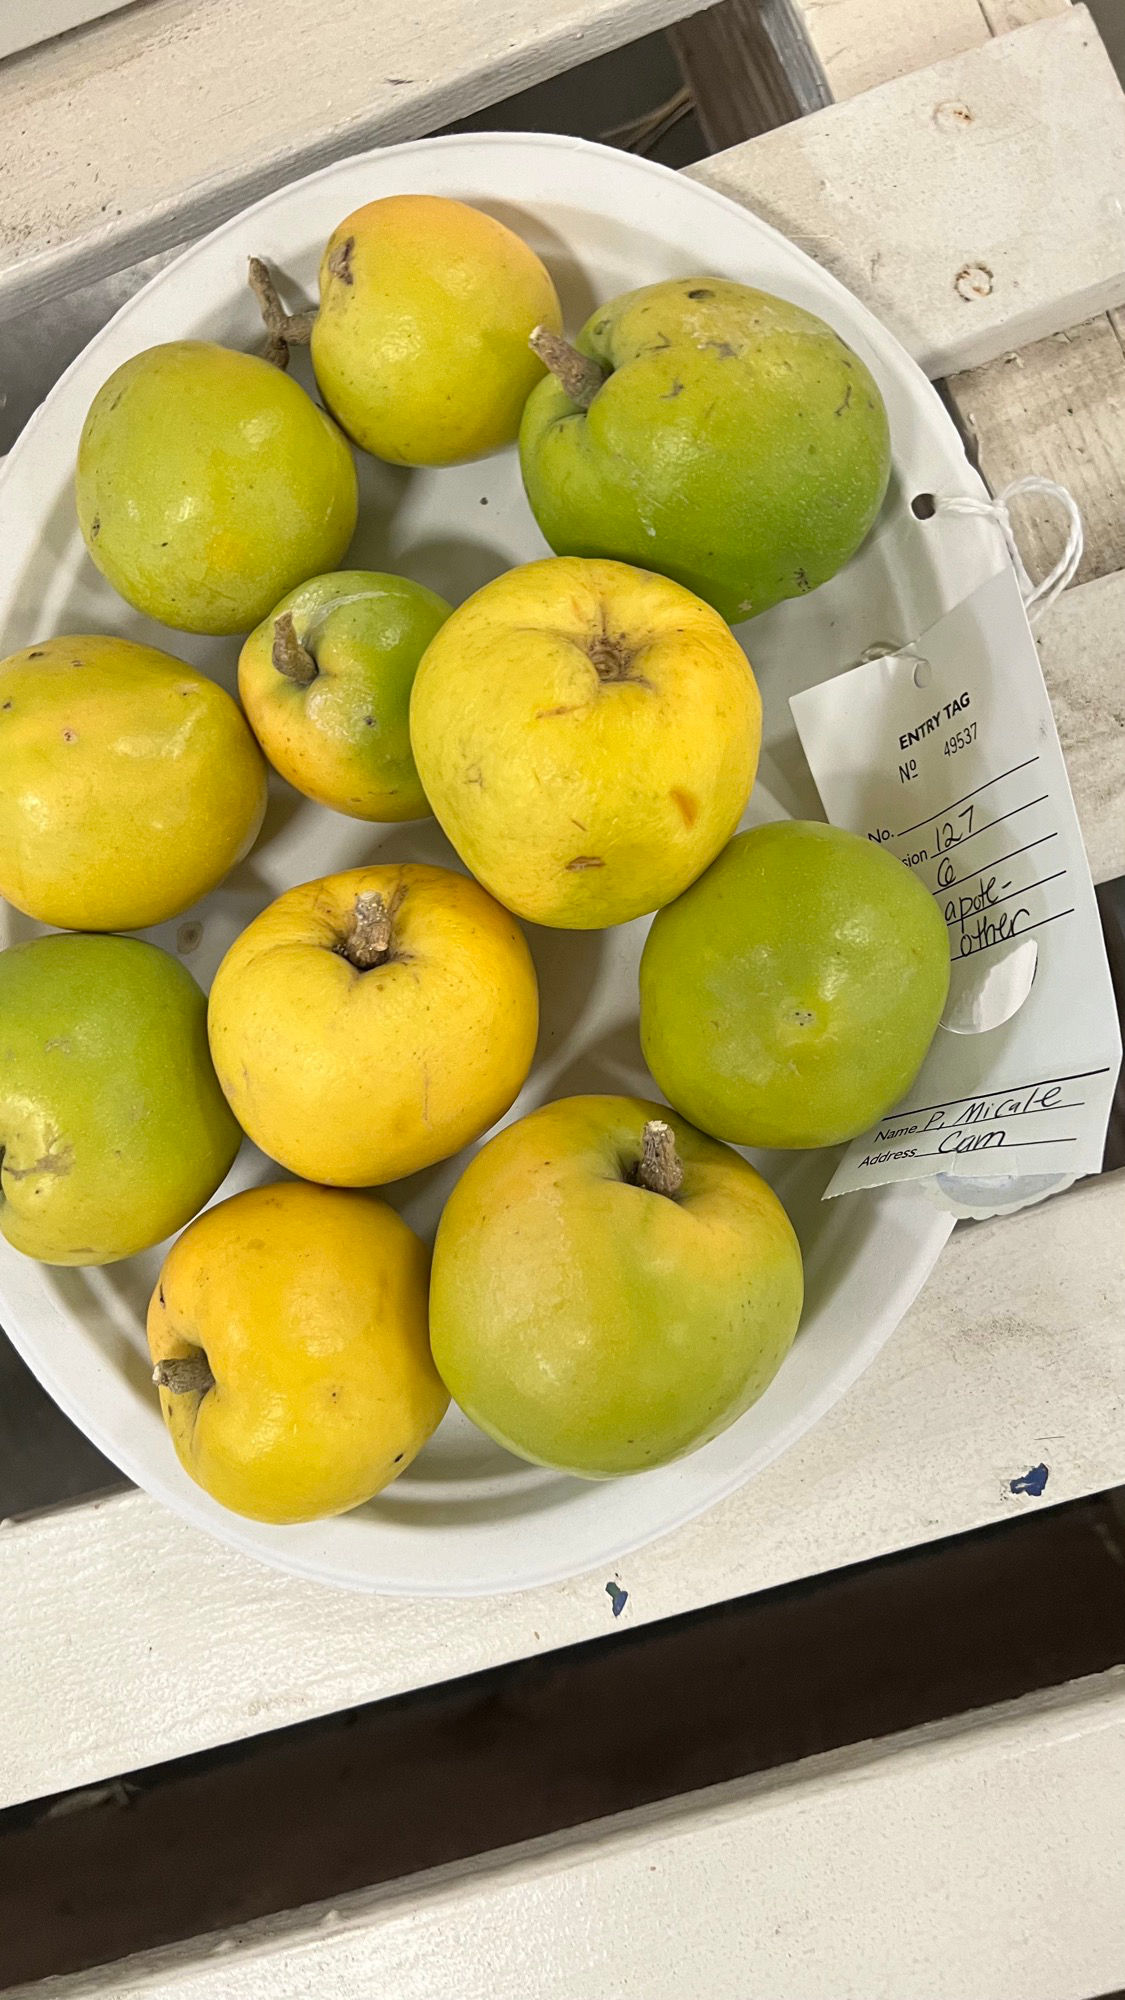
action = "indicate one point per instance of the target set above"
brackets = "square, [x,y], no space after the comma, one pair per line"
[290,1324]
[373,1022]
[129,784]
[420,345]
[587,734]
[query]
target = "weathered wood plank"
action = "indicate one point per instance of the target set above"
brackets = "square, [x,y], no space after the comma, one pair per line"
[1080,647]
[862,43]
[749,68]
[153,1641]
[975,205]
[975,1859]
[1056,407]
[140,130]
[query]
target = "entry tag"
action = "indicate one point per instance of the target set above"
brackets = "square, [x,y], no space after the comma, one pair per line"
[947,756]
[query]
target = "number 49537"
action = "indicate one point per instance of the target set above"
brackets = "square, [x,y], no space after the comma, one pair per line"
[960,739]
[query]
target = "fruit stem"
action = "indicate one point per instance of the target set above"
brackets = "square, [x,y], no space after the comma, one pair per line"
[660,1168]
[285,330]
[288,655]
[188,1376]
[577,374]
[369,941]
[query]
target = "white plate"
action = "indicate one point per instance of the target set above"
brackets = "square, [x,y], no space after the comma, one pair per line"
[467,1518]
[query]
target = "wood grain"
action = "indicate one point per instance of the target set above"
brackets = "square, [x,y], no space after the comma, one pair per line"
[749,67]
[1056,407]
[157,123]
[975,205]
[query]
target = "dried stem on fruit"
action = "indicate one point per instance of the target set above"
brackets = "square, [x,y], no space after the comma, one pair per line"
[288,655]
[188,1375]
[660,1168]
[577,374]
[285,330]
[371,936]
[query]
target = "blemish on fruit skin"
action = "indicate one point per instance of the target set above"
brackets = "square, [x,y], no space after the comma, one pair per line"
[1030,1482]
[701,293]
[95,527]
[841,407]
[473,775]
[5,704]
[585,861]
[618,1598]
[569,708]
[687,807]
[37,654]
[340,262]
[800,578]
[70,736]
[677,389]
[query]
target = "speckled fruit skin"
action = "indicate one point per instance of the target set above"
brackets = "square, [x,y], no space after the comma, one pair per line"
[310,1306]
[738,445]
[357,1078]
[209,484]
[344,739]
[129,784]
[113,1129]
[420,345]
[578,800]
[591,1325]
[790,996]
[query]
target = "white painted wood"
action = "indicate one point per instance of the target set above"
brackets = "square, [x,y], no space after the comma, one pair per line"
[973,1861]
[1080,647]
[155,124]
[975,205]
[26,23]
[128,1638]
[861,43]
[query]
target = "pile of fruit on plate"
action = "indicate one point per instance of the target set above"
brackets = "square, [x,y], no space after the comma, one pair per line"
[612,1284]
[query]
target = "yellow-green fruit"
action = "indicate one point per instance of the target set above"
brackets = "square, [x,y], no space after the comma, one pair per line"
[610,1289]
[587,734]
[723,436]
[326,681]
[789,997]
[289,1332]
[129,784]
[209,484]
[373,1022]
[421,343]
[113,1129]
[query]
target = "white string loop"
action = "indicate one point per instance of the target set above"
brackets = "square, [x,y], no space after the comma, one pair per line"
[1036,596]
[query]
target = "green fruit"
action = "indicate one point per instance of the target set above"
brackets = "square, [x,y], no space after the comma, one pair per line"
[736,443]
[599,1325]
[326,681]
[788,998]
[113,1129]
[209,484]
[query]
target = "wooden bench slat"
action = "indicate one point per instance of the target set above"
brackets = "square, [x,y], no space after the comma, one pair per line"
[154,125]
[129,1637]
[976,1859]
[974,205]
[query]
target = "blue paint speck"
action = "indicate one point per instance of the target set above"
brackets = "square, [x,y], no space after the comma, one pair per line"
[1032,1481]
[618,1598]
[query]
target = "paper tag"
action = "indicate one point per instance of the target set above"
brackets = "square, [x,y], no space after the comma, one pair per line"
[948,756]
